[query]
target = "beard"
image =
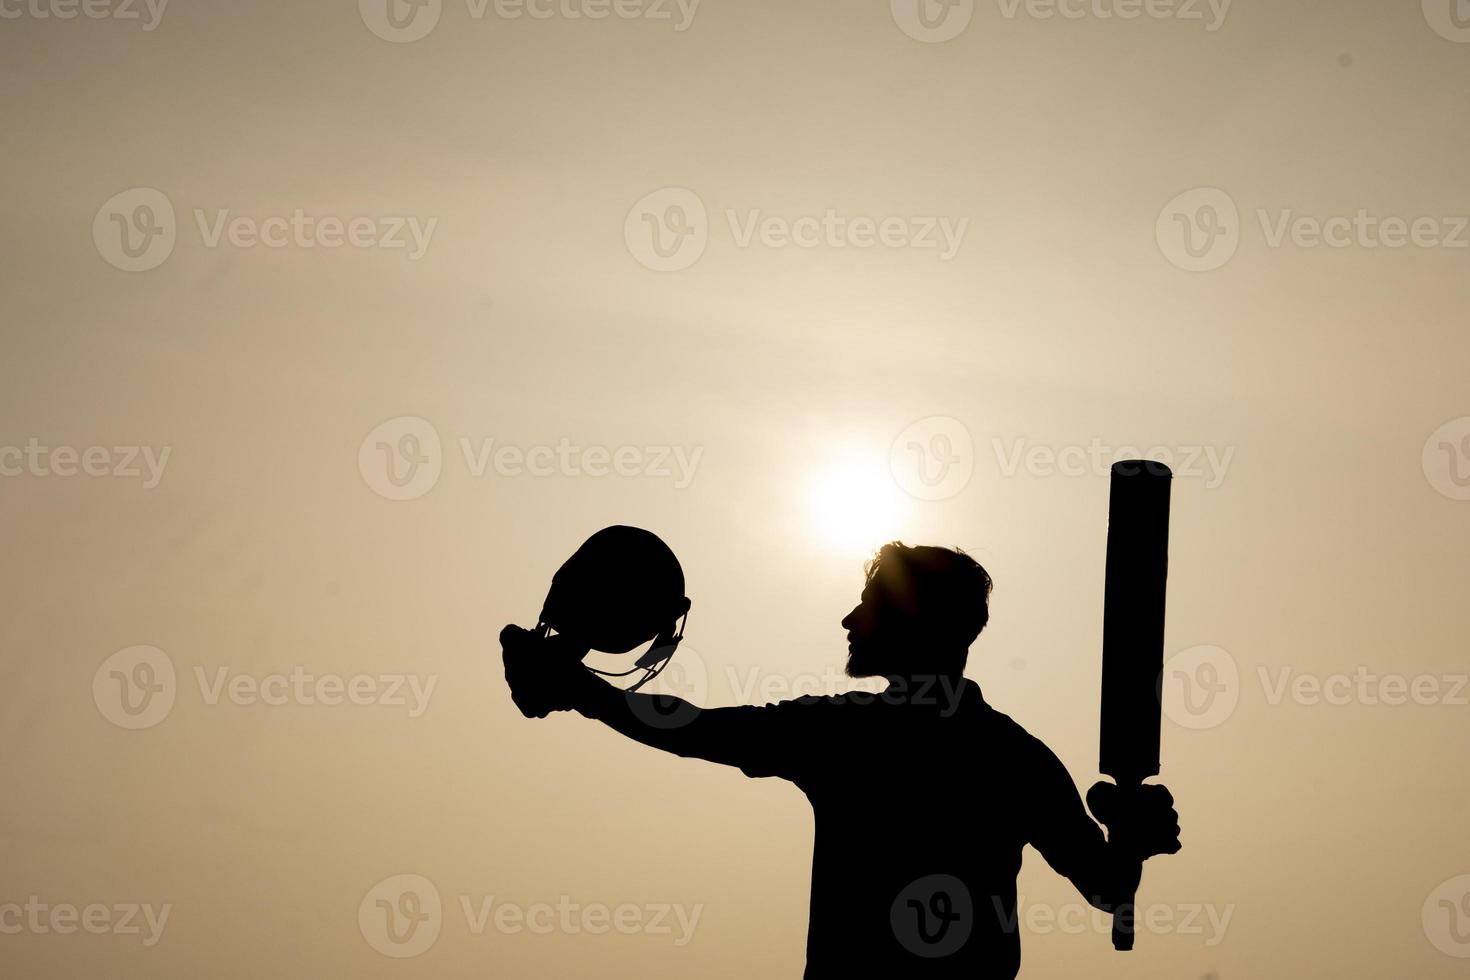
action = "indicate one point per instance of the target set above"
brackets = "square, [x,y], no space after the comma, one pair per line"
[857,666]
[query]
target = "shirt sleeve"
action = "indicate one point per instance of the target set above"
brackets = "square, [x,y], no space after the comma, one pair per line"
[1060,828]
[777,740]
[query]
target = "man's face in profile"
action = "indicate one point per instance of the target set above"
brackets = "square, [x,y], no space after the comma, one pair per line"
[875,629]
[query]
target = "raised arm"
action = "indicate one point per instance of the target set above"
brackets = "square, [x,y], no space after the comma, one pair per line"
[1104,870]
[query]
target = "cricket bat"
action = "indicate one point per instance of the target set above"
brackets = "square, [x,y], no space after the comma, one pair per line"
[1133,636]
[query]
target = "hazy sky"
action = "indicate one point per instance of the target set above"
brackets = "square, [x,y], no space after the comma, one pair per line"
[357,304]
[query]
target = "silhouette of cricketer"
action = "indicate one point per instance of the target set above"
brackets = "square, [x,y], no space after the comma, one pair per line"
[924,796]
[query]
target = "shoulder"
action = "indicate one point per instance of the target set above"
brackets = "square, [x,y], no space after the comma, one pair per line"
[1019,743]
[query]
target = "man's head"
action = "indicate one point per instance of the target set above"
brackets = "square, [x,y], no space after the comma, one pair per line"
[921,609]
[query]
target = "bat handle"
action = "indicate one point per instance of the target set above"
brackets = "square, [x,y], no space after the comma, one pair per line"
[1131,870]
[1123,922]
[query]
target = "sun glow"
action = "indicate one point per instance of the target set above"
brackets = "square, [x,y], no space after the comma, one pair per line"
[854,506]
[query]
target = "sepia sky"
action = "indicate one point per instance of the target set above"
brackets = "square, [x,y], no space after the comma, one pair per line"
[329,330]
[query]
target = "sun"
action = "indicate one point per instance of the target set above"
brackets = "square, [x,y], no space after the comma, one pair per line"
[854,506]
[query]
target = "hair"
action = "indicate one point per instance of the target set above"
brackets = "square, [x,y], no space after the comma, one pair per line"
[943,589]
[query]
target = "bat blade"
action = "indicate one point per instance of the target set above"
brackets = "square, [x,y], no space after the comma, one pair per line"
[1133,620]
[1133,640]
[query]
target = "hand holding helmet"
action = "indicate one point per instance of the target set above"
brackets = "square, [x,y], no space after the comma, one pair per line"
[621,589]
[543,672]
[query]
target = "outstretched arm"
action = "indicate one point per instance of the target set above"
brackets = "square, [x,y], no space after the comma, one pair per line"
[546,675]
[722,735]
